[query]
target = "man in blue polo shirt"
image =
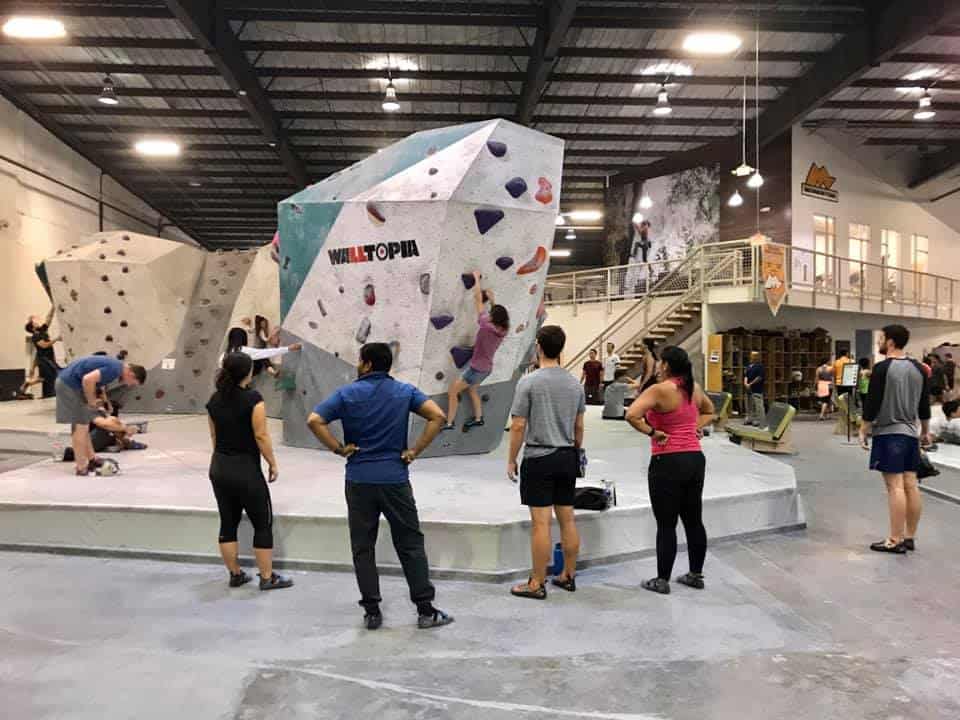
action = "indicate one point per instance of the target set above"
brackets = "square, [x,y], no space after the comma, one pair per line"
[374,412]
[78,399]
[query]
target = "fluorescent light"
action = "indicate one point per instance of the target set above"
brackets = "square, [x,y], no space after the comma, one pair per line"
[646,202]
[390,102]
[711,43]
[195,183]
[924,74]
[560,253]
[755,181]
[108,95]
[586,215]
[242,93]
[663,103]
[559,221]
[924,114]
[157,147]
[34,28]
[571,235]
[668,68]
[637,218]
[736,200]
[925,101]
[765,209]
[392,64]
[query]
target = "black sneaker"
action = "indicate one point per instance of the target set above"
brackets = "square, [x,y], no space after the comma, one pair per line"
[692,580]
[241,578]
[449,426]
[657,585]
[275,582]
[472,424]
[909,544]
[884,546]
[372,621]
[436,618]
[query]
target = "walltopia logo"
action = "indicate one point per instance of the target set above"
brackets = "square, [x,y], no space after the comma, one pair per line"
[369,253]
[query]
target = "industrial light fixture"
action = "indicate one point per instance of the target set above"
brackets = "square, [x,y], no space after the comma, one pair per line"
[585,215]
[559,221]
[571,234]
[925,109]
[195,183]
[736,200]
[390,102]
[34,28]
[157,147]
[663,102]
[711,43]
[755,181]
[646,202]
[765,209]
[637,218]
[108,94]
[560,253]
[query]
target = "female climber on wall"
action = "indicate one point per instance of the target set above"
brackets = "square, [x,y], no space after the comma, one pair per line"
[494,326]
[237,342]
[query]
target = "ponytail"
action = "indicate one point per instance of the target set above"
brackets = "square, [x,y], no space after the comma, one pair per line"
[236,339]
[236,366]
[680,367]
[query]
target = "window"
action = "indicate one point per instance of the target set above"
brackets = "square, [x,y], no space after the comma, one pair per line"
[859,251]
[889,256]
[824,242]
[921,253]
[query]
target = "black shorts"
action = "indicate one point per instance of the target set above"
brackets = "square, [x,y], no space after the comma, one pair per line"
[549,480]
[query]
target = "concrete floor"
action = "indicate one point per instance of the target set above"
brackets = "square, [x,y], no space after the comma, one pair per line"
[805,626]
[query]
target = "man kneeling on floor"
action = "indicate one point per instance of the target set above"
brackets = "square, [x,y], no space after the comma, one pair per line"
[374,412]
[78,387]
[548,410]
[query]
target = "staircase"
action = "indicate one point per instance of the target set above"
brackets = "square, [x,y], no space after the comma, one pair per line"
[667,331]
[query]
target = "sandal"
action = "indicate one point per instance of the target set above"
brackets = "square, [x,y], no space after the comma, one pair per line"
[526,591]
[694,580]
[569,584]
[241,578]
[657,585]
[889,546]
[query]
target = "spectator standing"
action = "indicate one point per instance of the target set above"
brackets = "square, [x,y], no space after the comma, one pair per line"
[824,383]
[863,381]
[897,412]
[754,378]
[611,364]
[590,377]
[548,411]
[615,395]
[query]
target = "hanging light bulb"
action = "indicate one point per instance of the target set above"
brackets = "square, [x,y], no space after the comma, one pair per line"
[925,109]
[736,200]
[637,218]
[108,95]
[755,181]
[646,202]
[390,102]
[663,102]
[571,235]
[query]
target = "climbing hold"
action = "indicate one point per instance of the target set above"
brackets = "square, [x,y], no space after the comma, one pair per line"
[374,214]
[286,262]
[534,263]
[341,289]
[125,269]
[425,283]
[439,376]
[139,397]
[313,325]
[468,280]
[108,338]
[363,332]
[504,262]
[231,273]
[104,278]
[159,394]
[204,341]
[121,293]
[521,327]
[545,193]
[107,310]
[486,219]
[126,237]
[103,242]
[188,353]
[461,355]
[433,171]
[497,148]
[485,398]
[197,324]
[197,372]
[321,308]
[74,295]
[123,323]
[433,195]
[204,301]
[369,295]
[214,282]
[222,263]
[64,280]
[60,308]
[533,289]
[431,150]
[441,321]
[223,291]
[516,187]
[102,256]
[122,253]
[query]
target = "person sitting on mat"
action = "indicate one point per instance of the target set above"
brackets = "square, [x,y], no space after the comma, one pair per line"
[494,326]
[947,428]
[108,433]
[614,396]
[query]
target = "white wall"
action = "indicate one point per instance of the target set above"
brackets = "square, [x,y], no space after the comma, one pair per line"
[38,217]
[866,199]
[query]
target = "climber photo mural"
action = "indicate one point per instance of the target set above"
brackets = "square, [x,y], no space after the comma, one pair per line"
[685,212]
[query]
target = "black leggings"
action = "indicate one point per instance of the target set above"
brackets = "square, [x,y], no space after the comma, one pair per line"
[676,491]
[239,485]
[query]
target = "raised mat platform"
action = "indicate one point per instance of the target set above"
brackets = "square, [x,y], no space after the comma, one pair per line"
[161,504]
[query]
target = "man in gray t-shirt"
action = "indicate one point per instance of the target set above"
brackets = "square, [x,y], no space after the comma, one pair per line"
[547,412]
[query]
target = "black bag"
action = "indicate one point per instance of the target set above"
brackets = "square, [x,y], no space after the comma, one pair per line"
[590,498]
[926,469]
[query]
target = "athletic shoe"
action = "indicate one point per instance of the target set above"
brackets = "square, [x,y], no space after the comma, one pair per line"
[448,427]
[372,621]
[275,582]
[472,424]
[241,578]
[882,546]
[134,445]
[436,618]
[657,585]
[909,544]
[692,580]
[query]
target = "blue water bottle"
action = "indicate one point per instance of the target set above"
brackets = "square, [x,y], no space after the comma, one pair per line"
[557,568]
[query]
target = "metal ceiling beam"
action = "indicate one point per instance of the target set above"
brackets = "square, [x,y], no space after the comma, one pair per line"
[888,30]
[911,142]
[554,22]
[212,31]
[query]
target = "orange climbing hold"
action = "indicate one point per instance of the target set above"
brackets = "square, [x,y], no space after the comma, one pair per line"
[534,263]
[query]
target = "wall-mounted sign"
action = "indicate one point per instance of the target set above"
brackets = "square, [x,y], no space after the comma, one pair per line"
[774,276]
[819,184]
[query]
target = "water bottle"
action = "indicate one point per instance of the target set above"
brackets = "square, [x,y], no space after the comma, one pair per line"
[557,569]
[610,490]
[56,446]
[583,463]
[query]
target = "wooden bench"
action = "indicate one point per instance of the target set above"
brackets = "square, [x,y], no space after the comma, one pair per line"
[774,437]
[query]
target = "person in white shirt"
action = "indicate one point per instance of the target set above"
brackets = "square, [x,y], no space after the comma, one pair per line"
[610,365]
[237,342]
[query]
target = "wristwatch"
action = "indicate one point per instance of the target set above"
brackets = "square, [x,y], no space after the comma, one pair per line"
[339,450]
[652,432]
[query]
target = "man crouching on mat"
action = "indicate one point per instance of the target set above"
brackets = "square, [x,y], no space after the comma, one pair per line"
[374,412]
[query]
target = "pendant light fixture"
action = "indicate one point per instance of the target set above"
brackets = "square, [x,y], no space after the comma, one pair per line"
[571,235]
[390,102]
[663,102]
[646,202]
[108,94]
[925,109]
[736,200]
[756,180]
[742,170]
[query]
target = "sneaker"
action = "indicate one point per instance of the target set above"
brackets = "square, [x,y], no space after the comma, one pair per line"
[372,621]
[909,544]
[692,580]
[886,546]
[241,578]
[657,585]
[436,618]
[275,582]
[472,424]
[448,427]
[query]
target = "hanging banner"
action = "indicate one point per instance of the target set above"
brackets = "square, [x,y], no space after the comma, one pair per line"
[773,274]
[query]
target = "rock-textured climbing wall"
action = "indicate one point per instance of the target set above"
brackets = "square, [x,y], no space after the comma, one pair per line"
[385,250]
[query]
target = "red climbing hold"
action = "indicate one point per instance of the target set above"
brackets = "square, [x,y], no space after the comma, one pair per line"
[374,214]
[545,193]
[369,295]
[534,263]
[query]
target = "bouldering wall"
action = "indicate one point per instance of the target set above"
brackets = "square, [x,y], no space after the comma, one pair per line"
[385,250]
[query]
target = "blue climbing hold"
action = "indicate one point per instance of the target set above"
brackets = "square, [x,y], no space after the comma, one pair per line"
[441,321]
[461,355]
[504,262]
[497,148]
[486,219]
[516,187]
[468,280]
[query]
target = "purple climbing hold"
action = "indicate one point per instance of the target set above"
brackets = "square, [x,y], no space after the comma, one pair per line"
[486,219]
[432,171]
[497,148]
[504,262]
[461,355]
[425,283]
[468,280]
[441,321]
[516,187]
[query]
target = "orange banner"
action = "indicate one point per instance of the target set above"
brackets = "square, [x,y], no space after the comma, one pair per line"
[774,275]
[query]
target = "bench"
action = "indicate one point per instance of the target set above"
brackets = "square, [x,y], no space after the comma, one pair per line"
[774,437]
[722,404]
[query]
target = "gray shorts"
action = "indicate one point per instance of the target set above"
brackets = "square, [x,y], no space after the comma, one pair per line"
[72,407]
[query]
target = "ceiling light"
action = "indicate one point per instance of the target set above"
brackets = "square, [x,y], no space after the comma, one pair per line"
[668,68]
[637,218]
[711,43]
[646,202]
[663,102]
[242,93]
[390,102]
[157,147]
[924,74]
[271,143]
[925,109]
[924,114]
[571,235]
[742,170]
[392,64]
[559,221]
[755,181]
[34,28]
[736,200]
[195,183]
[586,215]
[765,209]
[108,95]
[925,101]
[560,253]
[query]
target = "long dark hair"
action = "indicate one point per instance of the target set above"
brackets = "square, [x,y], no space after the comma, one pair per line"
[236,366]
[236,339]
[500,317]
[678,362]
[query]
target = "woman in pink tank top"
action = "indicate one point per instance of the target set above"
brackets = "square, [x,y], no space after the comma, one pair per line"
[672,413]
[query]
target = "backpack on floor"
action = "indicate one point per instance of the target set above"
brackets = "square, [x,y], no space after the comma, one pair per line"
[926,469]
[591,498]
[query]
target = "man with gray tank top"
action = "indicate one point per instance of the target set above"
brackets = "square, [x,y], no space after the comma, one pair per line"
[548,411]
[897,410]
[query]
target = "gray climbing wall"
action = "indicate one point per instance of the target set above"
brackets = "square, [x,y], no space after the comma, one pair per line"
[385,250]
